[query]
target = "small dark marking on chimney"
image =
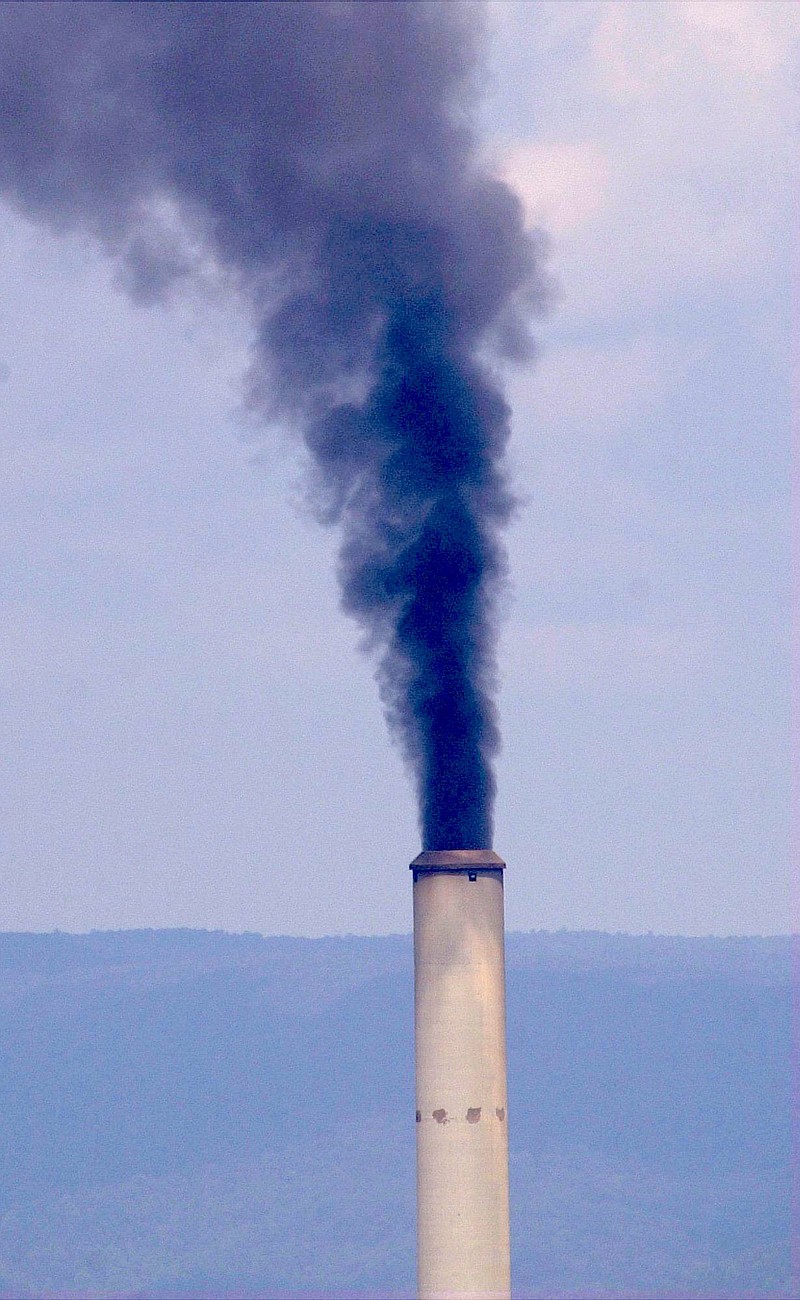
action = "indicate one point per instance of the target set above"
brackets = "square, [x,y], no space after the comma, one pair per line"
[500,1112]
[473,875]
[440,1116]
[473,1114]
[419,1116]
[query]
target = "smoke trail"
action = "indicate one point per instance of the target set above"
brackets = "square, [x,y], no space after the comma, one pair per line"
[321,155]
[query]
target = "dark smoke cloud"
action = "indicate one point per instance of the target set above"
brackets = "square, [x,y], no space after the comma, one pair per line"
[321,156]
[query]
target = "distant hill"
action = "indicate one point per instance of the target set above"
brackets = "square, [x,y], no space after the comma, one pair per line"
[189,1113]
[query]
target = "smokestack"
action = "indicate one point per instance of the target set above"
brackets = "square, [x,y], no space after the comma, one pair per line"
[463,1248]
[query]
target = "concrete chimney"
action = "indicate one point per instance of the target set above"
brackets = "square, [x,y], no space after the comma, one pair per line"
[462,1108]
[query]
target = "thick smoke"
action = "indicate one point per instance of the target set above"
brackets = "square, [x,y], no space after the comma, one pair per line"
[320,156]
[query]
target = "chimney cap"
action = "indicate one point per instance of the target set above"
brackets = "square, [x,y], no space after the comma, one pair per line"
[457,860]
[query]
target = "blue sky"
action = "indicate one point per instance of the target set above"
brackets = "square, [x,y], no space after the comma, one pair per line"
[195,738]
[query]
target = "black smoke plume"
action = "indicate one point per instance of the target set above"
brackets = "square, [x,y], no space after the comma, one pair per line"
[321,156]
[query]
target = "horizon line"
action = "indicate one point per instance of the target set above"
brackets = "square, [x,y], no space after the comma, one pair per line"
[389,934]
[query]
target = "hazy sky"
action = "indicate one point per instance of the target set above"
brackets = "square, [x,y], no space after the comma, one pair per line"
[193,735]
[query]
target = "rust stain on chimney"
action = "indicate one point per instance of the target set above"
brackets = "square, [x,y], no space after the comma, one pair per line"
[440,1116]
[473,1114]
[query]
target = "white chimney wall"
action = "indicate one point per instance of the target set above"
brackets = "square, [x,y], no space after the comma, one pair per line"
[463,1248]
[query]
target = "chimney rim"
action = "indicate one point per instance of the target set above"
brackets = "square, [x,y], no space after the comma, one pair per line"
[457,860]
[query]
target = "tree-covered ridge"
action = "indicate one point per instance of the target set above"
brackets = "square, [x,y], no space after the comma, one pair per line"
[196,1113]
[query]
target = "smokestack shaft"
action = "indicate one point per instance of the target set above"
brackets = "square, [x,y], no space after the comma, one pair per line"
[462,1126]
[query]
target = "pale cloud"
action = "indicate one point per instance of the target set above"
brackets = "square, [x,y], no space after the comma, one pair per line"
[563,184]
[658,150]
[748,38]
[642,50]
[627,63]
